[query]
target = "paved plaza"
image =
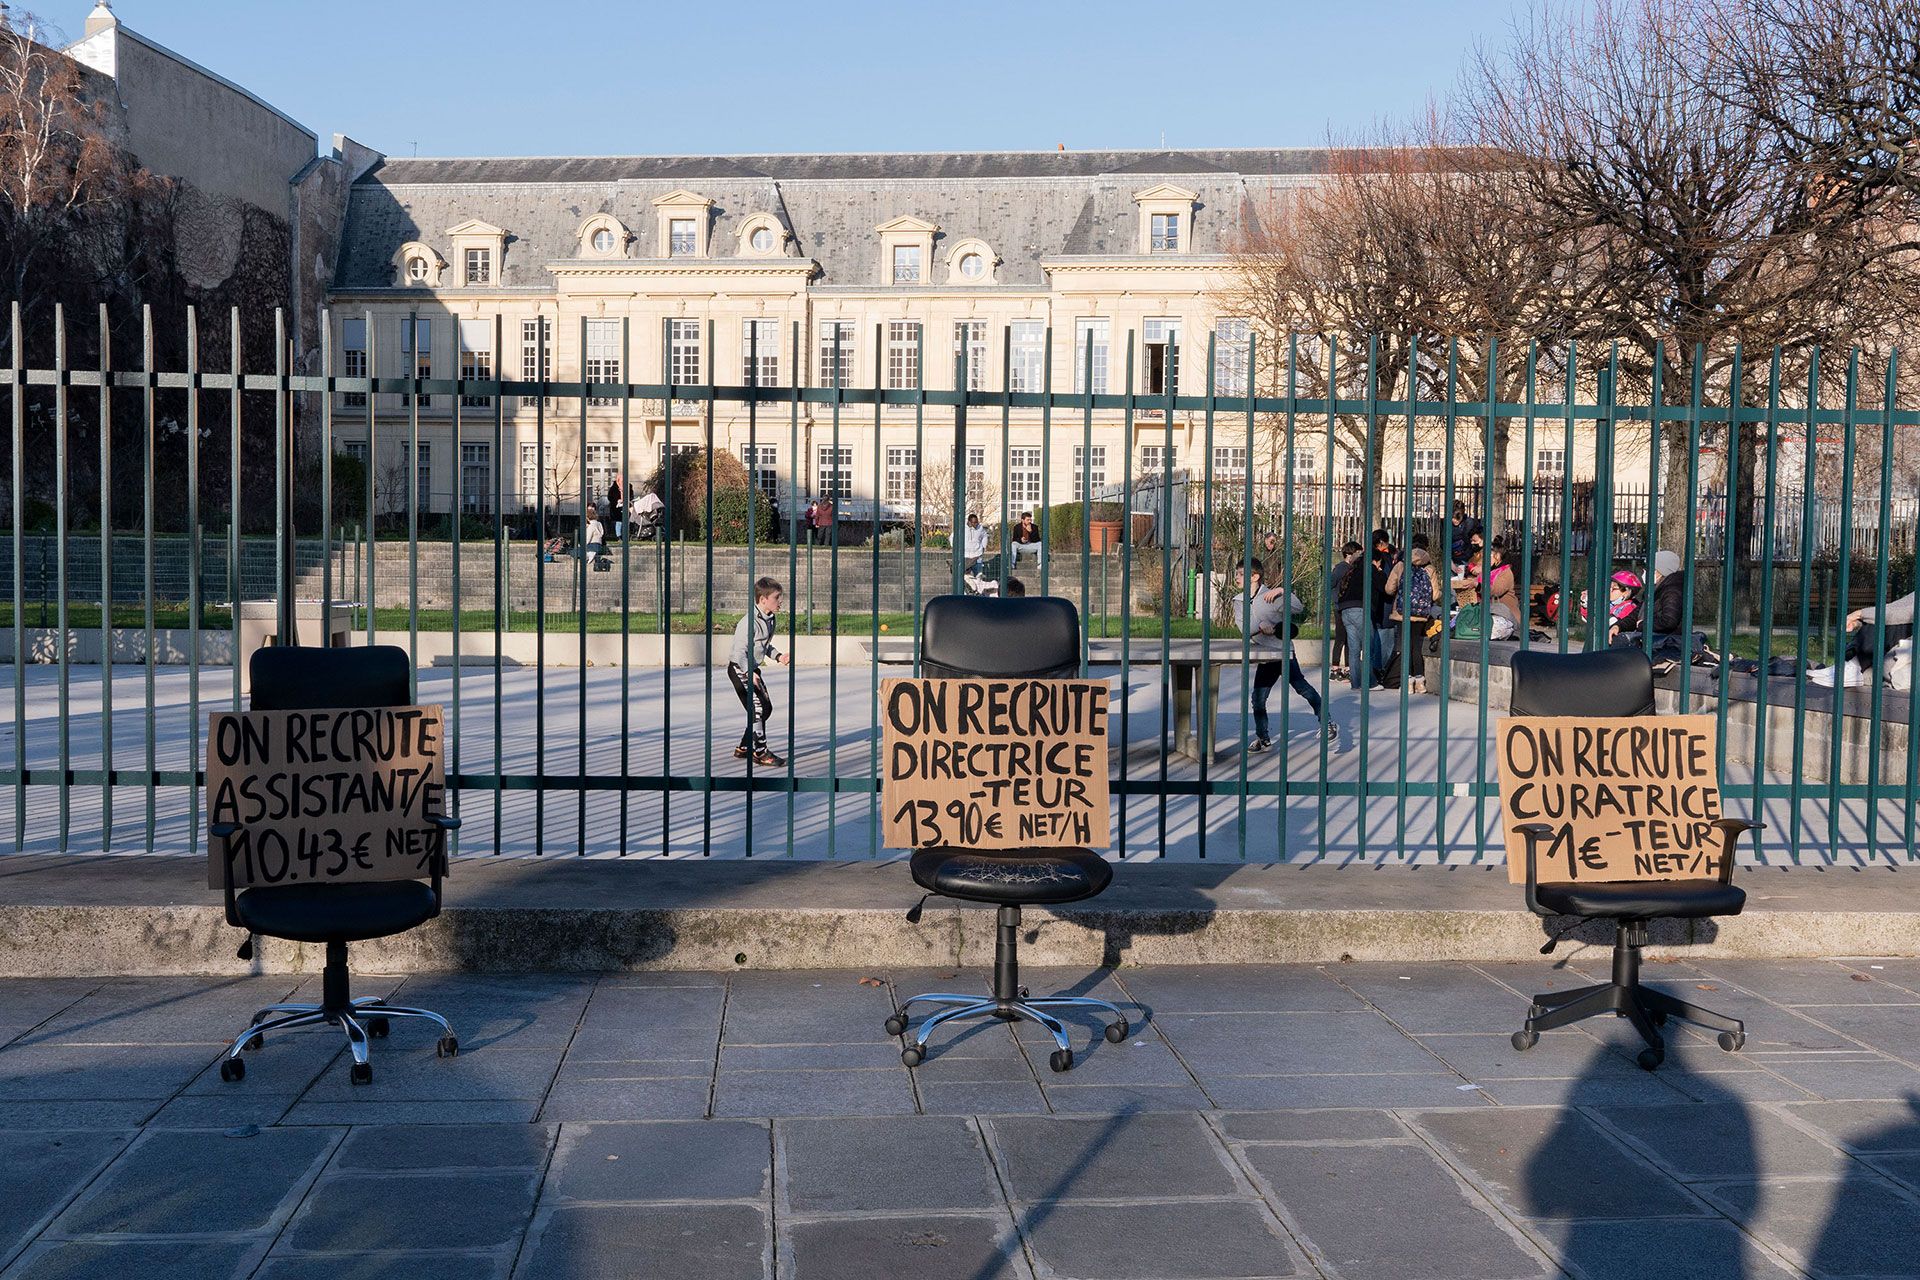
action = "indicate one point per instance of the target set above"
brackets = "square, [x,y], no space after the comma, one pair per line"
[1361,1121]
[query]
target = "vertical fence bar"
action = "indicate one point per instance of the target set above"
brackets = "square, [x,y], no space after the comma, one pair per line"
[106,585]
[456,534]
[1449,420]
[1246,614]
[1836,737]
[919,496]
[752,332]
[842,493]
[1126,582]
[284,623]
[959,521]
[1371,460]
[148,529]
[1884,553]
[873,745]
[1331,615]
[1806,599]
[1689,555]
[1489,434]
[1530,516]
[17,409]
[1407,640]
[671,495]
[412,482]
[326,504]
[236,579]
[61,521]
[1085,481]
[706,632]
[502,589]
[1199,708]
[1006,450]
[625,517]
[1285,788]
[1568,601]
[1763,678]
[193,580]
[1204,707]
[1046,478]
[1653,488]
[1723,636]
[373,466]
[541,473]
[793,558]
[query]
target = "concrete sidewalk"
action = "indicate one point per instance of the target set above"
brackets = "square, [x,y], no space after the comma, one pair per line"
[1356,1122]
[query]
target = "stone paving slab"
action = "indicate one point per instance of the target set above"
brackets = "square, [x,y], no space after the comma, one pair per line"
[1350,1122]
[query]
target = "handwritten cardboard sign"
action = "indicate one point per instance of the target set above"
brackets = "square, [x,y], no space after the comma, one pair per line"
[994,764]
[1631,798]
[333,794]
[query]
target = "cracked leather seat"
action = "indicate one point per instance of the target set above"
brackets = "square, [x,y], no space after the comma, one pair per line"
[1012,875]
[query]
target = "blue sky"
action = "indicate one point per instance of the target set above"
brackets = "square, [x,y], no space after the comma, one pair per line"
[489,77]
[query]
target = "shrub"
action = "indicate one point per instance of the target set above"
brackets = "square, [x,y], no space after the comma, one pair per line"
[734,497]
[1067,522]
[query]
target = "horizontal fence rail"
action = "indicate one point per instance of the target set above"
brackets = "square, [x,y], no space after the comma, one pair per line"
[164,522]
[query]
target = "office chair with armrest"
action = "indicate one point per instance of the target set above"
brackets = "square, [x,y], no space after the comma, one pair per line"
[299,679]
[1615,682]
[1024,638]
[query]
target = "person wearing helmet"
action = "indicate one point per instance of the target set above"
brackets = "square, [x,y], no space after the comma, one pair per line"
[1623,604]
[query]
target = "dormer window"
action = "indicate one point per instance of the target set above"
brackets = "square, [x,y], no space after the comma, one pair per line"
[971,261]
[682,223]
[1164,233]
[477,248]
[762,240]
[1166,214]
[417,265]
[682,238]
[479,266]
[906,264]
[973,266]
[603,240]
[418,268]
[602,236]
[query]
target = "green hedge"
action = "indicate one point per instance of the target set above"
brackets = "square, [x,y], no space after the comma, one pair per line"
[1067,522]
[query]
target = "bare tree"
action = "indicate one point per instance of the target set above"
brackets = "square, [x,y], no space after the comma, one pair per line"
[936,496]
[1692,227]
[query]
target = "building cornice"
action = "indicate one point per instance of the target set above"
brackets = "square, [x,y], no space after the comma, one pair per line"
[651,267]
[1138,262]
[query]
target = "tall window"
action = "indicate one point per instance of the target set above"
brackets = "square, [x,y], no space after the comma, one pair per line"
[836,353]
[902,472]
[1427,465]
[1090,335]
[476,358]
[835,477]
[1023,477]
[972,336]
[1550,464]
[603,356]
[479,266]
[977,477]
[1029,354]
[532,474]
[1163,233]
[903,354]
[422,472]
[763,464]
[603,464]
[353,358]
[681,239]
[760,352]
[1153,461]
[536,356]
[1232,344]
[416,351]
[683,352]
[1160,336]
[1089,468]
[476,477]
[1229,463]
[906,264]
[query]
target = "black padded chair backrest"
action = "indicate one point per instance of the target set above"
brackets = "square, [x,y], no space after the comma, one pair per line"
[1035,637]
[297,678]
[1610,682]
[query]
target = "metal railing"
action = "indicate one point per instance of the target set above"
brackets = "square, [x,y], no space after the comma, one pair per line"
[518,641]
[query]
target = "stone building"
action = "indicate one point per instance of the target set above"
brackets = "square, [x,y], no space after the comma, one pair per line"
[635,268]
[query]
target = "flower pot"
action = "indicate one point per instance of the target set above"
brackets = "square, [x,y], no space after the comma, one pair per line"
[1103,535]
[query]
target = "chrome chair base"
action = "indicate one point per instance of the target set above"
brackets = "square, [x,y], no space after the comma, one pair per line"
[362,1020]
[1031,1008]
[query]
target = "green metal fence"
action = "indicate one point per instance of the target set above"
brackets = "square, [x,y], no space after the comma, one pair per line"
[595,732]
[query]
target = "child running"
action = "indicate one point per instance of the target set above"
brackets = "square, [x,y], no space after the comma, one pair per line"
[752,643]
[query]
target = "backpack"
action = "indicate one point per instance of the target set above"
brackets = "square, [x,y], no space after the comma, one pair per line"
[1469,622]
[1416,593]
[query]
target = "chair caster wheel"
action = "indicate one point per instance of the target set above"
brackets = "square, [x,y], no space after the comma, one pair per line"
[1733,1041]
[1061,1060]
[1117,1031]
[913,1055]
[896,1025]
[1650,1058]
[378,1028]
[232,1069]
[447,1047]
[1525,1040]
[253,1043]
[361,1073]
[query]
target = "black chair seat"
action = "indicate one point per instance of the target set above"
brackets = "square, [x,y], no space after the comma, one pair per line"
[1011,876]
[1644,899]
[336,912]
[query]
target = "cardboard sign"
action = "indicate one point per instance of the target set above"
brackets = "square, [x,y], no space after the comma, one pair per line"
[994,764]
[1629,798]
[336,794]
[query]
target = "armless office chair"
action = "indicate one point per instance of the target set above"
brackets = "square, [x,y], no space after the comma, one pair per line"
[1021,638]
[299,679]
[1615,682]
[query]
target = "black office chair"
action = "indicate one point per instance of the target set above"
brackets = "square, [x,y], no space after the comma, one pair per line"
[1025,638]
[298,679]
[1615,682]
